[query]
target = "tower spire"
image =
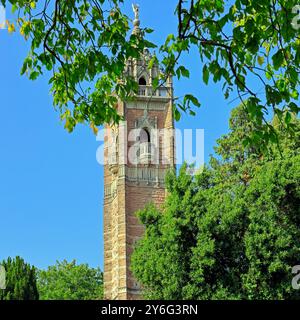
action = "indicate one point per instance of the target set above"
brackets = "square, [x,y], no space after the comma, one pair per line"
[136,21]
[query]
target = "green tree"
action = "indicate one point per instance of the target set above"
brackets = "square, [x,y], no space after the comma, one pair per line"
[251,47]
[231,232]
[85,45]
[70,281]
[20,280]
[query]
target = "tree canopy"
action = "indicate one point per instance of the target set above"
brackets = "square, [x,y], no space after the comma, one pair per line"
[85,45]
[231,232]
[20,280]
[70,281]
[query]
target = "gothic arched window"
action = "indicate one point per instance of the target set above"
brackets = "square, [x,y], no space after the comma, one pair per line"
[144,135]
[142,81]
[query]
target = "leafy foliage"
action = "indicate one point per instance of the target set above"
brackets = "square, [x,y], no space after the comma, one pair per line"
[231,232]
[242,42]
[69,281]
[20,280]
[85,46]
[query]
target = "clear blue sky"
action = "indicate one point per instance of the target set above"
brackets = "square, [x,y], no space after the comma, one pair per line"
[51,186]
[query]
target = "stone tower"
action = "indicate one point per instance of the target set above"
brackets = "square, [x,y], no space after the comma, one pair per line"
[137,158]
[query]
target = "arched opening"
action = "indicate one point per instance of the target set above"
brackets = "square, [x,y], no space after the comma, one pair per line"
[144,148]
[144,135]
[142,81]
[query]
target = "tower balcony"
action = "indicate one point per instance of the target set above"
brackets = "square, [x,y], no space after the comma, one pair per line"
[144,153]
[148,91]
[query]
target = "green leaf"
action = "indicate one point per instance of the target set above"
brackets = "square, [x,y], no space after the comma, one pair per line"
[260,60]
[155,83]
[278,59]
[33,75]
[205,74]
[287,118]
[177,114]
[148,30]
[294,108]
[14,7]
[182,71]
[190,98]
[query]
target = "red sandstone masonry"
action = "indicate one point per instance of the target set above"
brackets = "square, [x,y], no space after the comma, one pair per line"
[121,226]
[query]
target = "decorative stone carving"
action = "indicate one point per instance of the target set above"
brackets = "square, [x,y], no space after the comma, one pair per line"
[156,106]
[146,122]
[148,176]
